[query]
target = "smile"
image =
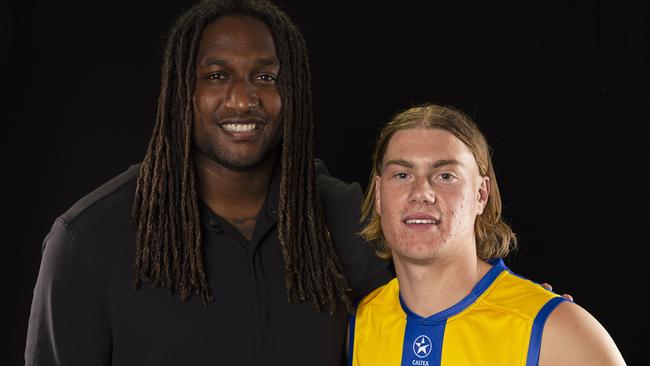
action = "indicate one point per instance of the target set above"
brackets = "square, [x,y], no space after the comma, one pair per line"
[421,221]
[239,127]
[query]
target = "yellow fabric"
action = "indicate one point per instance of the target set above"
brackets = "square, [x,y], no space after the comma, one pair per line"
[493,330]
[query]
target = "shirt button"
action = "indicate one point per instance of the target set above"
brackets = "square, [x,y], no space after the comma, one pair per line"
[214,225]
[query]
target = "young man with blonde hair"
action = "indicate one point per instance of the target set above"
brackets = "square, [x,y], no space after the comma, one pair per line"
[433,205]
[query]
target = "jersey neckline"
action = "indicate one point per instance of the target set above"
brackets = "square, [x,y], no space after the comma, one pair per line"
[497,267]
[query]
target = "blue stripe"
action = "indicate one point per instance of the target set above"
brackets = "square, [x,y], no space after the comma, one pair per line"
[481,286]
[422,344]
[351,338]
[538,328]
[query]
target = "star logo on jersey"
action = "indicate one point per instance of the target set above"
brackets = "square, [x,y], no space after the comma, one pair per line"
[422,346]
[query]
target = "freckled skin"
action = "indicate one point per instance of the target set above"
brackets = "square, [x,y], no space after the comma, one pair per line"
[451,193]
[236,73]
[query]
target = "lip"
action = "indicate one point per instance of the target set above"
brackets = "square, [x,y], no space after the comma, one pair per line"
[229,126]
[408,220]
[242,120]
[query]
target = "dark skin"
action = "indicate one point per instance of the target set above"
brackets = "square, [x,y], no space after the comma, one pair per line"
[237,125]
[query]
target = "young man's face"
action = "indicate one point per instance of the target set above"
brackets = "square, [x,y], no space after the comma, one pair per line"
[428,195]
[236,99]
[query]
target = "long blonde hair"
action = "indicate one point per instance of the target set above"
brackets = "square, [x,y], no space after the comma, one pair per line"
[494,238]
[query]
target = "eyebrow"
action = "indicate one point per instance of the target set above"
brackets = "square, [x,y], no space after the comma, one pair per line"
[400,162]
[408,164]
[444,162]
[225,62]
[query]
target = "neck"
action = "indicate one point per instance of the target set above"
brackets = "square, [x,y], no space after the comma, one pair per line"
[430,288]
[233,194]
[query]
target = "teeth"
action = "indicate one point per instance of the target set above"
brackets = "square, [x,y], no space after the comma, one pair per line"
[238,127]
[420,221]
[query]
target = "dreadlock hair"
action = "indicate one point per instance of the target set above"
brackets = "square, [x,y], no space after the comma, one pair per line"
[165,209]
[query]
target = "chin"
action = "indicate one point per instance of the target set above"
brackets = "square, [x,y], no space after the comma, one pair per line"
[414,258]
[240,161]
[417,253]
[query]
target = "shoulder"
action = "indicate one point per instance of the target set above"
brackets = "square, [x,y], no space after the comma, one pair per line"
[381,306]
[569,335]
[333,189]
[89,239]
[98,227]
[111,199]
[572,336]
[518,295]
[383,296]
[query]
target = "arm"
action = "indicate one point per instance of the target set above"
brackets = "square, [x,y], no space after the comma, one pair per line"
[572,336]
[341,203]
[68,323]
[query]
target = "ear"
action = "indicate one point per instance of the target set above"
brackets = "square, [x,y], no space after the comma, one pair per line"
[483,193]
[378,195]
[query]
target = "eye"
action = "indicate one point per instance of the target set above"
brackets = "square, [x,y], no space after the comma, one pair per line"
[447,177]
[217,76]
[400,175]
[267,78]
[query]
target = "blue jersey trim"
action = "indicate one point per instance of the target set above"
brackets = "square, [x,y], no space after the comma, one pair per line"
[538,327]
[351,338]
[423,344]
[497,267]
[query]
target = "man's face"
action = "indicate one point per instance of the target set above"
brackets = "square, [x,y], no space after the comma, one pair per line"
[236,99]
[428,195]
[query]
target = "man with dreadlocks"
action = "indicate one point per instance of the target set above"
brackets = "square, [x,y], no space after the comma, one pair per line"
[240,245]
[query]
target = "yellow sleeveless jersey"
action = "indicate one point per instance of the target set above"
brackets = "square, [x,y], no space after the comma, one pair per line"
[499,323]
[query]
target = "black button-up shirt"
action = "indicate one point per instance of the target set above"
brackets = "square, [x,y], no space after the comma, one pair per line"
[84,311]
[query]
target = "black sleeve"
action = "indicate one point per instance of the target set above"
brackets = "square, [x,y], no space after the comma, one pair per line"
[364,269]
[342,205]
[68,324]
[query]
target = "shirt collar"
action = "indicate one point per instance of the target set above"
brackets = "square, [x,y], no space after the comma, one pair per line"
[212,221]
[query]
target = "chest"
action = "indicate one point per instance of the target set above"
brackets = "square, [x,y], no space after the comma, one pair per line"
[250,321]
[482,337]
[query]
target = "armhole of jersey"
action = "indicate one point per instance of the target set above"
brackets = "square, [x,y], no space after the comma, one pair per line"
[351,338]
[538,327]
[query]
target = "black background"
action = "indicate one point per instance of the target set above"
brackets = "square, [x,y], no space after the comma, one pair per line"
[559,88]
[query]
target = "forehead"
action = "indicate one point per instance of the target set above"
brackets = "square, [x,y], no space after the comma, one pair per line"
[235,34]
[427,144]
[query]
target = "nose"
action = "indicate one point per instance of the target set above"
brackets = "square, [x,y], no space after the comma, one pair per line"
[422,191]
[242,95]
